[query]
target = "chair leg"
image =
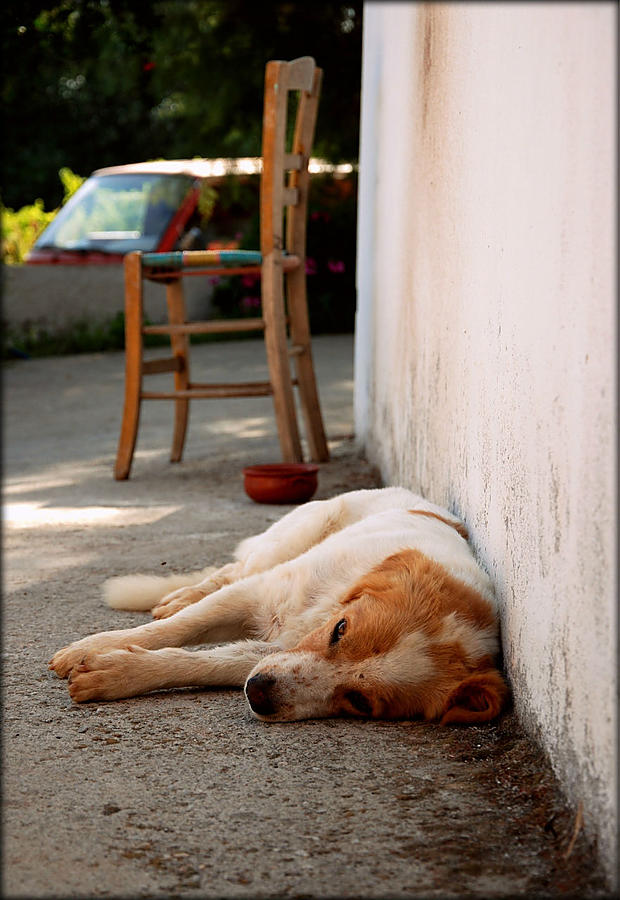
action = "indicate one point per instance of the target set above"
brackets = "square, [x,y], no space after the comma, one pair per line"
[306,380]
[278,360]
[133,366]
[180,349]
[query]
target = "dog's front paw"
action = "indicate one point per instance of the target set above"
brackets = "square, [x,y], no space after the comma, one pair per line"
[64,660]
[176,601]
[106,676]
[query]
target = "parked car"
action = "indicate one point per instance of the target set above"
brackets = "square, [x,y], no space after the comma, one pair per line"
[151,206]
[146,206]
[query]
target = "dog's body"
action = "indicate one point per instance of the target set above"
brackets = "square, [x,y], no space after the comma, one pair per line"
[367,604]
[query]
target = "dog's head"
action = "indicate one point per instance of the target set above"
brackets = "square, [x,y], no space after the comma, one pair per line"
[407,641]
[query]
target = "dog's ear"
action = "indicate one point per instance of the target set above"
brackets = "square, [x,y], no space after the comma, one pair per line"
[477,699]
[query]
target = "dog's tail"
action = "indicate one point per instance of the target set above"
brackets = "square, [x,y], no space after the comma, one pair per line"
[143,592]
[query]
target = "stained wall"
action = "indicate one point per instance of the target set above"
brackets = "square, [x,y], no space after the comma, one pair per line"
[486,332]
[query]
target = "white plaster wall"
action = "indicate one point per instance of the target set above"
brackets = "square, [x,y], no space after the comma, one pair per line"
[485,342]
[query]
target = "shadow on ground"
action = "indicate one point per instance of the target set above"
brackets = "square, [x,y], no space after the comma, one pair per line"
[184,793]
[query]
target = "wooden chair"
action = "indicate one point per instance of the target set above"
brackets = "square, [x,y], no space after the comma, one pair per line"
[281,265]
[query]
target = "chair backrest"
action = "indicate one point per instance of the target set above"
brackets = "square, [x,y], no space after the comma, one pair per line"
[285,178]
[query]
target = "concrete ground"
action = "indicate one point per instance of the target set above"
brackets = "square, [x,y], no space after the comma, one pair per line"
[184,794]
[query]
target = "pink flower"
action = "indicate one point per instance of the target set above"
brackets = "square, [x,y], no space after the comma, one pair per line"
[310,266]
[250,302]
[335,266]
[214,280]
[249,280]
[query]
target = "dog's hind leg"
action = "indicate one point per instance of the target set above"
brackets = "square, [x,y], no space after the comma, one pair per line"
[298,531]
[226,615]
[185,596]
[134,670]
[289,537]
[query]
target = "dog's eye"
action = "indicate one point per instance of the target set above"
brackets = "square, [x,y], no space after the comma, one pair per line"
[338,631]
[359,702]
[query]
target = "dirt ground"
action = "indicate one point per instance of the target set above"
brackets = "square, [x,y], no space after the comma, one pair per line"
[183,793]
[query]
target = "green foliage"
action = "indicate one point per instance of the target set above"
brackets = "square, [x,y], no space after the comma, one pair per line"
[206,201]
[331,254]
[81,336]
[330,257]
[70,182]
[84,336]
[120,81]
[21,228]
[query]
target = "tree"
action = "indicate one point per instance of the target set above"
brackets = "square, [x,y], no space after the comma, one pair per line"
[90,83]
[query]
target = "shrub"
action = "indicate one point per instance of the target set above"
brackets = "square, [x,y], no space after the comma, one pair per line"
[330,253]
[21,228]
[82,336]
[32,339]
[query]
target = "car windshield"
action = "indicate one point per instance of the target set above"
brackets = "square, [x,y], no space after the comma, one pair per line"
[117,213]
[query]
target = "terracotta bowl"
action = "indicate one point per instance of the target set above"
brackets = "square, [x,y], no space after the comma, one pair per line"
[281,482]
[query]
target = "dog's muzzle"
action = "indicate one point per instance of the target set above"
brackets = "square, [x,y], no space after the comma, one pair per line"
[290,685]
[259,691]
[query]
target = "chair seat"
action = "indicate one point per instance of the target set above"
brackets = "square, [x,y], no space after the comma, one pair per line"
[163,266]
[180,259]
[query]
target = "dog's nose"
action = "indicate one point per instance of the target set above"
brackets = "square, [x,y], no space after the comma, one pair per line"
[258,691]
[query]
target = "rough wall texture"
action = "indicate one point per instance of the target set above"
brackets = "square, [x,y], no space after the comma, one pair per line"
[485,340]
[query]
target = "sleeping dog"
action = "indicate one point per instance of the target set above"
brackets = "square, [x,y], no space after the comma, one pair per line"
[368,604]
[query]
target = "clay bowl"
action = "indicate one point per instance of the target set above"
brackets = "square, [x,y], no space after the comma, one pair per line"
[281,482]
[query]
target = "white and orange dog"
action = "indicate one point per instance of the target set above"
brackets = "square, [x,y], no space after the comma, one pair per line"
[368,604]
